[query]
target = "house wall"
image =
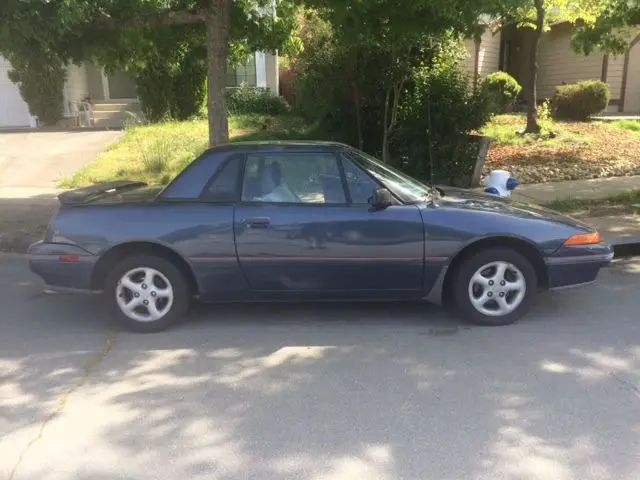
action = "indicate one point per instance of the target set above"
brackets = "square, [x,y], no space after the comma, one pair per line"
[76,86]
[272,74]
[94,82]
[632,95]
[558,63]
[489,54]
[14,112]
[468,65]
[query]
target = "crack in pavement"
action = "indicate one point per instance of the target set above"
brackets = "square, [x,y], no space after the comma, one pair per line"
[628,385]
[88,368]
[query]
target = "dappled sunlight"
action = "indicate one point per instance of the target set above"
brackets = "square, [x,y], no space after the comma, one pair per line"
[326,393]
[521,455]
[372,462]
[247,369]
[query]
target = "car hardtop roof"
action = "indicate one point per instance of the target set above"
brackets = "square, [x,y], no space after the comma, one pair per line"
[280,144]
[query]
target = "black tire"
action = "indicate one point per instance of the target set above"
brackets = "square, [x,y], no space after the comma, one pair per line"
[465,271]
[177,280]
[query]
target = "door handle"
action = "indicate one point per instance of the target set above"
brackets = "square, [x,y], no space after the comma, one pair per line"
[258,222]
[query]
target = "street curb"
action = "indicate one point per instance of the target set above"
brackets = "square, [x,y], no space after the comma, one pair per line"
[60,129]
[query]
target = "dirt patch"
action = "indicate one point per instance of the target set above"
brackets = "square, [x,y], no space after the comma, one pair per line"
[589,150]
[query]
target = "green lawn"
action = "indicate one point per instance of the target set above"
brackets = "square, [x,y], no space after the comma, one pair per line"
[504,129]
[157,153]
[630,125]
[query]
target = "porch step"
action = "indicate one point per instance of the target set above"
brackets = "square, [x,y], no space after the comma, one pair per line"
[115,106]
[116,114]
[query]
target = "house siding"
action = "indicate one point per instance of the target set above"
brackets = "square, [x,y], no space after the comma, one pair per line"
[489,54]
[271,71]
[632,97]
[615,71]
[558,63]
[468,64]
[76,88]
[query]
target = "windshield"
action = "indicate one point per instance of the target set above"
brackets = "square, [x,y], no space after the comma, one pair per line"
[407,188]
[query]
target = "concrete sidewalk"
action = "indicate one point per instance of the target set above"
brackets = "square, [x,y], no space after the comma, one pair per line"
[617,230]
[582,189]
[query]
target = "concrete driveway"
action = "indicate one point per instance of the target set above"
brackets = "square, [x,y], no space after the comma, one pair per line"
[326,392]
[40,159]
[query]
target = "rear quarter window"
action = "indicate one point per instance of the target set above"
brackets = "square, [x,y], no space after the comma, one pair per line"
[190,184]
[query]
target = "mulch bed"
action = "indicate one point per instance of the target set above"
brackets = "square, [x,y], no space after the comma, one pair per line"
[604,152]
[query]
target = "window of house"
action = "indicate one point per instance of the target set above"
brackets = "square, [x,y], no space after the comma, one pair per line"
[312,178]
[246,74]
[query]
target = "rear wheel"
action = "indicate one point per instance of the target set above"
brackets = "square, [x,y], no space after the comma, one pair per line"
[494,287]
[147,293]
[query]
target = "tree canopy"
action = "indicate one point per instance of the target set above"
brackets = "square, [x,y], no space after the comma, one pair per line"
[539,15]
[119,33]
[613,29]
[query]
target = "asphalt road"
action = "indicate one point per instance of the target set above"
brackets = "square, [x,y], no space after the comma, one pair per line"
[329,392]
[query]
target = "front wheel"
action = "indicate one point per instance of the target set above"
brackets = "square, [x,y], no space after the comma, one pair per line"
[147,293]
[494,287]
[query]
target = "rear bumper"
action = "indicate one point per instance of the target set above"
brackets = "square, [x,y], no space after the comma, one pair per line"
[63,268]
[576,267]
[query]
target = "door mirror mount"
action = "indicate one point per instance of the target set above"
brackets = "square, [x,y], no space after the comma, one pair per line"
[381,198]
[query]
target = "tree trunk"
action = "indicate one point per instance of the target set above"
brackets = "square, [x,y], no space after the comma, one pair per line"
[356,97]
[385,131]
[357,101]
[218,18]
[532,100]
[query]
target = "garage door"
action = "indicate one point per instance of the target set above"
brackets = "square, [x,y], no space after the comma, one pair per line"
[13,110]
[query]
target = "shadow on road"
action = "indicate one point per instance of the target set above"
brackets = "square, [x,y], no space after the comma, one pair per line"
[24,220]
[325,391]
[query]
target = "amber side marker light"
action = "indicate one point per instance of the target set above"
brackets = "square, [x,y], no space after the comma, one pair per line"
[585,239]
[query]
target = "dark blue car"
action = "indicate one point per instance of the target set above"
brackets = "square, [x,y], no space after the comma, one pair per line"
[307,221]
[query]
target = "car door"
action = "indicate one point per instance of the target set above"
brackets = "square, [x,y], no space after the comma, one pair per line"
[299,231]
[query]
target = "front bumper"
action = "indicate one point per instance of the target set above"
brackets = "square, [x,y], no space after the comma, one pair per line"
[575,266]
[63,268]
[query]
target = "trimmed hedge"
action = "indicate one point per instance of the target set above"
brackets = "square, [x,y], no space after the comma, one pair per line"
[579,101]
[502,90]
[246,100]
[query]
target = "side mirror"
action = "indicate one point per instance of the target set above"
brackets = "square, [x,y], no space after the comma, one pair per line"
[381,199]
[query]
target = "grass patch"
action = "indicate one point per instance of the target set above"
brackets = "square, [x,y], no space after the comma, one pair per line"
[157,153]
[504,130]
[629,125]
[623,203]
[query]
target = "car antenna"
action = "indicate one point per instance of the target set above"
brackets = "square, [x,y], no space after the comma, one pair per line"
[432,188]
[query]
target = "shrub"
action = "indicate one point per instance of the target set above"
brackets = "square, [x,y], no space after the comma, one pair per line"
[245,99]
[437,120]
[502,90]
[40,78]
[578,101]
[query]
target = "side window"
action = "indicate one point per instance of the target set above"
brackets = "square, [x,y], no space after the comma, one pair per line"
[189,184]
[293,178]
[360,185]
[224,185]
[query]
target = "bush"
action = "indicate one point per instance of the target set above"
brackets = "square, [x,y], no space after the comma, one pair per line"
[502,90]
[438,118]
[245,99]
[40,78]
[579,101]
